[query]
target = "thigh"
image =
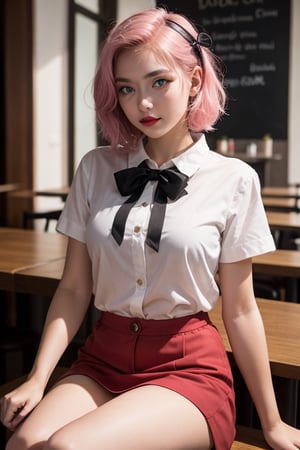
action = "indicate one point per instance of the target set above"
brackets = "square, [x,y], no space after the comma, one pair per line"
[145,418]
[68,400]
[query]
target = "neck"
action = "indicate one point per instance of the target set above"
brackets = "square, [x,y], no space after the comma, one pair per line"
[163,149]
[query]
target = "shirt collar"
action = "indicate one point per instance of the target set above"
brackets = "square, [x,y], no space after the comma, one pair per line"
[187,162]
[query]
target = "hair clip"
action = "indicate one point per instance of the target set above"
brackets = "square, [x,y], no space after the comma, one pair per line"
[203,38]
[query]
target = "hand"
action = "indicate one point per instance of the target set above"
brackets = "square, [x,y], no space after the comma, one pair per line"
[17,404]
[283,437]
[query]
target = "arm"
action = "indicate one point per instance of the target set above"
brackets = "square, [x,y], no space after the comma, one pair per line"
[64,318]
[66,311]
[246,334]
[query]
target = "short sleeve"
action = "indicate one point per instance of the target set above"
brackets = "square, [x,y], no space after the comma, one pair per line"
[76,212]
[247,232]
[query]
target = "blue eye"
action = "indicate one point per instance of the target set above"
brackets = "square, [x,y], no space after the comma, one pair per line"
[160,83]
[125,90]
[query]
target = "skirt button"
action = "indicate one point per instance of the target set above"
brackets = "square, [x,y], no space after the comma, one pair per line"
[135,327]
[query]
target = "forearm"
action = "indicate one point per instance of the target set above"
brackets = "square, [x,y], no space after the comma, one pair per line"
[248,342]
[63,320]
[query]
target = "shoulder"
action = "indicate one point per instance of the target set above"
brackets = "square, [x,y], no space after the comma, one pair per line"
[103,159]
[231,170]
[230,163]
[104,154]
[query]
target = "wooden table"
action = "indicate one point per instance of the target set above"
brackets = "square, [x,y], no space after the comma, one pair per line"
[284,263]
[282,326]
[281,263]
[284,220]
[281,198]
[21,249]
[284,204]
[283,192]
[39,280]
[285,226]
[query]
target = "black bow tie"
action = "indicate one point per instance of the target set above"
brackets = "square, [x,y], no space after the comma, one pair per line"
[132,181]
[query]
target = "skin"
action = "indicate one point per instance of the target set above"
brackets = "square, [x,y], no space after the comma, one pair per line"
[155,93]
[89,417]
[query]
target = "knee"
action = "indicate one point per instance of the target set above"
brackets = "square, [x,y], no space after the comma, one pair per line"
[60,441]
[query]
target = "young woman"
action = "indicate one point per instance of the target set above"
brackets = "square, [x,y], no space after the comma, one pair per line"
[151,219]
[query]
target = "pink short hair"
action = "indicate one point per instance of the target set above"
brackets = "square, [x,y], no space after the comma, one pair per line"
[148,29]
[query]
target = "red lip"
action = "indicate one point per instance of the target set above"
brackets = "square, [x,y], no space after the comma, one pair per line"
[149,121]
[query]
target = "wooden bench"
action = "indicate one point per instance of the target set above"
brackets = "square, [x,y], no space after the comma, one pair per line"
[246,438]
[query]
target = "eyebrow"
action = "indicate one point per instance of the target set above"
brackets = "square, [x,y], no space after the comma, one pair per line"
[154,73]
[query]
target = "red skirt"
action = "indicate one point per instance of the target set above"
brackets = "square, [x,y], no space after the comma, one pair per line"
[184,354]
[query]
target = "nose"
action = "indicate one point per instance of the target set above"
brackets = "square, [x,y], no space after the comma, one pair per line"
[145,104]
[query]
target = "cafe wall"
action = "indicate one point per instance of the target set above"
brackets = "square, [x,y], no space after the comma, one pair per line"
[50,94]
[128,7]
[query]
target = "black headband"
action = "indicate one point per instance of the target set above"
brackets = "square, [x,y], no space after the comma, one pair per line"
[203,39]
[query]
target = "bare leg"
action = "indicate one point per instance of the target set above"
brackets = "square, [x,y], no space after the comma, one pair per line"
[71,398]
[145,418]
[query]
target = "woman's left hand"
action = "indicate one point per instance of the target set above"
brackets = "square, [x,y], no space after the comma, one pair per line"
[283,437]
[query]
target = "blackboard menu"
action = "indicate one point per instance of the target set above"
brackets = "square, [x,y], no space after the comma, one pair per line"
[252,38]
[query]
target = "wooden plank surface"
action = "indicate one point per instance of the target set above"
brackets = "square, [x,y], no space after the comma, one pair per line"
[40,280]
[284,220]
[21,249]
[282,203]
[282,326]
[249,439]
[284,191]
[278,263]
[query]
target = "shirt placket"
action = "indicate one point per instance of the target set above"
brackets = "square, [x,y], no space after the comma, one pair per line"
[136,228]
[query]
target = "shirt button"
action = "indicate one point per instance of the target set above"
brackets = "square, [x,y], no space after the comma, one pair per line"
[144,204]
[137,229]
[139,282]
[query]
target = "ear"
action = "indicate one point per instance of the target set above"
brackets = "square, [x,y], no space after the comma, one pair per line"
[196,81]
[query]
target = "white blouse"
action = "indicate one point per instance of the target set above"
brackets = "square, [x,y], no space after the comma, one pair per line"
[221,219]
